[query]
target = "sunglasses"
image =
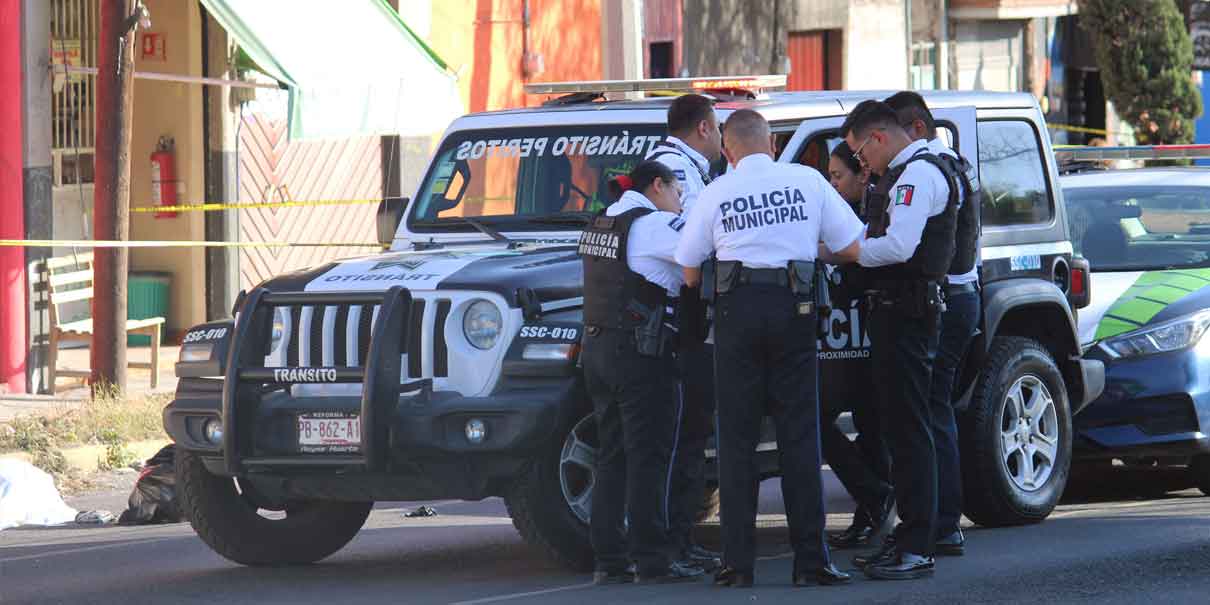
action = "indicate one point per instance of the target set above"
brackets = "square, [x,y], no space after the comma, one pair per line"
[857,154]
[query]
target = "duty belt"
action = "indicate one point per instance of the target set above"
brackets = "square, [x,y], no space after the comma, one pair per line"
[764,277]
[956,289]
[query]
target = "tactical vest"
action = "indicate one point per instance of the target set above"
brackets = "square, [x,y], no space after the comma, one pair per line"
[934,254]
[966,240]
[610,285]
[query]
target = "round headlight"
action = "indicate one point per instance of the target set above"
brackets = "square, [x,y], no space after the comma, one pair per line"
[279,329]
[481,324]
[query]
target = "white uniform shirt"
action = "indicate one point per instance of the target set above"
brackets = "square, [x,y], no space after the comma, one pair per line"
[940,148]
[920,192]
[652,241]
[766,214]
[685,163]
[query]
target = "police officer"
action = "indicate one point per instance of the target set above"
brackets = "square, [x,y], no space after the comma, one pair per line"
[764,220]
[957,321]
[862,465]
[629,275]
[692,144]
[906,253]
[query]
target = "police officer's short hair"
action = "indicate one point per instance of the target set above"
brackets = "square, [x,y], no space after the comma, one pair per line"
[687,111]
[910,106]
[868,115]
[746,125]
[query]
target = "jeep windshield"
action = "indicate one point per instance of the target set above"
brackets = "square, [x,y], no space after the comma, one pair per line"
[547,178]
[1140,228]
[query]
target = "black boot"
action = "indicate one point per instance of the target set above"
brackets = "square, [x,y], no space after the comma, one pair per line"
[827,575]
[882,555]
[856,534]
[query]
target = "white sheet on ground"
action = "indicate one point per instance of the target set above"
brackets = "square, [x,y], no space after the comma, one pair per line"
[28,496]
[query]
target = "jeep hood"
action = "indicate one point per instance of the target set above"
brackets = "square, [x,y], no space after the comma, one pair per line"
[1128,300]
[553,272]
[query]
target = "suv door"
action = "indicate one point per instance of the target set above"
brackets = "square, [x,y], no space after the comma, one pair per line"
[844,348]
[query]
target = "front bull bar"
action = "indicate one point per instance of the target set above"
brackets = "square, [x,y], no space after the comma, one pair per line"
[246,375]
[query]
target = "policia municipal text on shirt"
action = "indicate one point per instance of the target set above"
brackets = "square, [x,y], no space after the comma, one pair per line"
[629,279]
[908,249]
[765,340]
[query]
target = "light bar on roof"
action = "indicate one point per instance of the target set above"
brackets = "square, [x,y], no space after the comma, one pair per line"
[753,83]
[1134,152]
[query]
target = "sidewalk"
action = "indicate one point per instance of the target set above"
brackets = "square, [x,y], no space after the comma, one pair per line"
[72,392]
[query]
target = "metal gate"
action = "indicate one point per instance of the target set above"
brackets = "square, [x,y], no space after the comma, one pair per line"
[274,169]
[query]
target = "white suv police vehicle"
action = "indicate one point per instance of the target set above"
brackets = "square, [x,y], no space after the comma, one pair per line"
[446,367]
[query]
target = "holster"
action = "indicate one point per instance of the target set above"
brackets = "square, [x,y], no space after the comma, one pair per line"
[649,334]
[709,269]
[726,275]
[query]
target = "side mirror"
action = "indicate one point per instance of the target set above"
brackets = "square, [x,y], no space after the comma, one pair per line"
[390,212]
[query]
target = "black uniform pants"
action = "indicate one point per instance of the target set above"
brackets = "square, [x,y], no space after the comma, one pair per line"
[765,363]
[902,353]
[636,404]
[957,329]
[696,426]
[863,465]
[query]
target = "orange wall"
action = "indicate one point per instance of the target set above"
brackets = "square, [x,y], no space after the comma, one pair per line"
[481,40]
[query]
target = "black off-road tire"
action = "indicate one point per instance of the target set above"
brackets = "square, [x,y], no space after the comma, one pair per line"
[991,498]
[230,524]
[1199,471]
[541,514]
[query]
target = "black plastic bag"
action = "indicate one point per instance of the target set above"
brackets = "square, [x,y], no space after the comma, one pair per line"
[154,498]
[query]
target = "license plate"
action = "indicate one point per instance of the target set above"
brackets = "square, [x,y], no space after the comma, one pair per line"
[329,433]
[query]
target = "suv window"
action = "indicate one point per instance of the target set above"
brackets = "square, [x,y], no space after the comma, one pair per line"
[1012,174]
[507,176]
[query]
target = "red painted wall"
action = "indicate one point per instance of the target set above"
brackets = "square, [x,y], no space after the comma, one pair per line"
[12,209]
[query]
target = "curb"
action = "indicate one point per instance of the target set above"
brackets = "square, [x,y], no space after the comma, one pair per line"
[85,458]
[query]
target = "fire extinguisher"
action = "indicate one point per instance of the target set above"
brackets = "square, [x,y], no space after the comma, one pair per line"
[163,177]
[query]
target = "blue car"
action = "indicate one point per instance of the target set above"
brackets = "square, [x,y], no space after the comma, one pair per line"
[1146,233]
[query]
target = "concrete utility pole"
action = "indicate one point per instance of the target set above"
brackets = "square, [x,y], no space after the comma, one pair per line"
[111,214]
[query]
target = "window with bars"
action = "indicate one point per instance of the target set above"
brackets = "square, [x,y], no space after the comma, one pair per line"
[73,41]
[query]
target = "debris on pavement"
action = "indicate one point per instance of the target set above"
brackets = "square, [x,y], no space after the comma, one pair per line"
[28,496]
[154,497]
[95,517]
[423,511]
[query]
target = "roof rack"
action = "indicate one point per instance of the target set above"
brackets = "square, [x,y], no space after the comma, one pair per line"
[586,91]
[1133,152]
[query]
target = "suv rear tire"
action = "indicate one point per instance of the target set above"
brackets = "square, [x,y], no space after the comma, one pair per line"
[231,525]
[1015,436]
[1199,472]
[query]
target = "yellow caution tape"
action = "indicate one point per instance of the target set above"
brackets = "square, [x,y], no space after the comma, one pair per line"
[211,206]
[1082,129]
[85,243]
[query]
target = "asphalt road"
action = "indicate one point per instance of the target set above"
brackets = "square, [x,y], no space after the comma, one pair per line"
[1117,541]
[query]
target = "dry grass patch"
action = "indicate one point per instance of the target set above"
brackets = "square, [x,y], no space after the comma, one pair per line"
[109,419]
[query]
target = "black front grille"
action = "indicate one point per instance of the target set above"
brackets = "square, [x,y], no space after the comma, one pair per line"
[313,337]
[1167,415]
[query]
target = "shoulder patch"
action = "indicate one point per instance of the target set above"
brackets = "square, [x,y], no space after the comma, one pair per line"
[676,223]
[903,195]
[680,174]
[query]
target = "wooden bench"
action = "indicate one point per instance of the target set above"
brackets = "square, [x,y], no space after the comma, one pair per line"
[69,279]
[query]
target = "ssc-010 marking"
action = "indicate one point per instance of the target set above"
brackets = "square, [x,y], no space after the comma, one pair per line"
[211,334]
[552,332]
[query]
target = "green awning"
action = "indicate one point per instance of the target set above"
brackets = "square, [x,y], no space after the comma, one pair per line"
[352,67]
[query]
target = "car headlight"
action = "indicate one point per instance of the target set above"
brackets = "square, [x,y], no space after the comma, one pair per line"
[1169,336]
[481,324]
[196,351]
[279,329]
